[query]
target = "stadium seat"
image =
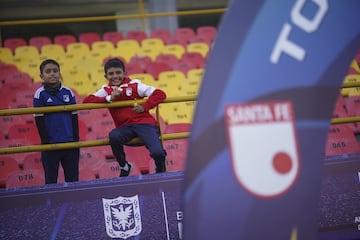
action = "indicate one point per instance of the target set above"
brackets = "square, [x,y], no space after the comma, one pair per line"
[182,115]
[85,174]
[195,58]
[6,55]
[111,169]
[113,37]
[89,38]
[170,59]
[31,68]
[148,51]
[7,165]
[201,39]
[141,61]
[195,75]
[155,68]
[13,43]
[163,34]
[26,131]
[134,68]
[104,48]
[27,53]
[25,178]
[207,31]
[173,79]
[352,105]
[5,70]
[166,110]
[341,140]
[178,128]
[201,48]
[176,49]
[33,161]
[79,49]
[137,35]
[53,51]
[39,41]
[340,108]
[127,49]
[178,41]
[184,67]
[91,158]
[145,78]
[64,40]
[20,78]
[156,43]
[184,33]
[77,79]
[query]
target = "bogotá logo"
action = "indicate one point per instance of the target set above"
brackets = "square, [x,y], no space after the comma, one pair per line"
[122,217]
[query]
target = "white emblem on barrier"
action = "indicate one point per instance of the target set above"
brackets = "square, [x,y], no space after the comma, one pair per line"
[263,147]
[122,217]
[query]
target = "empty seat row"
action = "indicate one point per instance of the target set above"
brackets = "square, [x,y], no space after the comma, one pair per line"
[182,35]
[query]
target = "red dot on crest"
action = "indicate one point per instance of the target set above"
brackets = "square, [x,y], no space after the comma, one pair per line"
[282,162]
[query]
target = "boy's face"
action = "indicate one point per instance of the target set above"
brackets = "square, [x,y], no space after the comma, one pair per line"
[115,75]
[50,74]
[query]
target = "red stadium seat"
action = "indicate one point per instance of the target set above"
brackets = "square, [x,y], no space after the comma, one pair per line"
[7,165]
[341,140]
[13,43]
[64,40]
[39,41]
[89,38]
[20,78]
[33,161]
[5,70]
[194,57]
[26,131]
[207,31]
[142,61]
[13,144]
[133,68]
[340,109]
[163,34]
[155,68]
[137,35]
[169,59]
[25,178]
[184,33]
[113,37]
[139,156]
[91,158]
[178,128]
[111,169]
[184,67]
[201,39]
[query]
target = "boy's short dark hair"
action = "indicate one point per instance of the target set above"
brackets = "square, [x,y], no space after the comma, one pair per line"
[47,61]
[114,62]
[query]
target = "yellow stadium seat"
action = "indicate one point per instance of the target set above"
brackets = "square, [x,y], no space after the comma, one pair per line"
[78,48]
[32,68]
[156,43]
[201,48]
[6,55]
[355,66]
[172,78]
[77,79]
[351,80]
[103,48]
[145,78]
[127,49]
[53,51]
[176,49]
[148,51]
[27,53]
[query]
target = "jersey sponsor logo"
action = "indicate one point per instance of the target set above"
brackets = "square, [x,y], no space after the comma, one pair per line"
[66,98]
[49,100]
[268,126]
[122,217]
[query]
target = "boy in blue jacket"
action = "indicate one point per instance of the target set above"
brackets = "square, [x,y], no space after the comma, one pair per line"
[57,127]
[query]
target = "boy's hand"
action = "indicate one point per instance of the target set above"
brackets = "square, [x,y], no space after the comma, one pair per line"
[138,109]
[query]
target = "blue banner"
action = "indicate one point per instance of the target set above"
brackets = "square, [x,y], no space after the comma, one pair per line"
[257,144]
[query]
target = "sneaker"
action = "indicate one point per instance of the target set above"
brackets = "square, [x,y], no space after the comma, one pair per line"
[161,168]
[124,173]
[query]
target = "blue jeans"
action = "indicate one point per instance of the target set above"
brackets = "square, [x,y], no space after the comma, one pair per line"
[148,133]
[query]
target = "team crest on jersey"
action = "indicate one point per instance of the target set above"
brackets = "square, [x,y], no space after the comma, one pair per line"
[66,98]
[263,147]
[128,91]
[122,217]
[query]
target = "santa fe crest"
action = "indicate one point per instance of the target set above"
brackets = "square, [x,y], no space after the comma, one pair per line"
[122,217]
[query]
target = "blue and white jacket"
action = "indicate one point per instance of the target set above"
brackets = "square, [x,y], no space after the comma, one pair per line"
[56,127]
